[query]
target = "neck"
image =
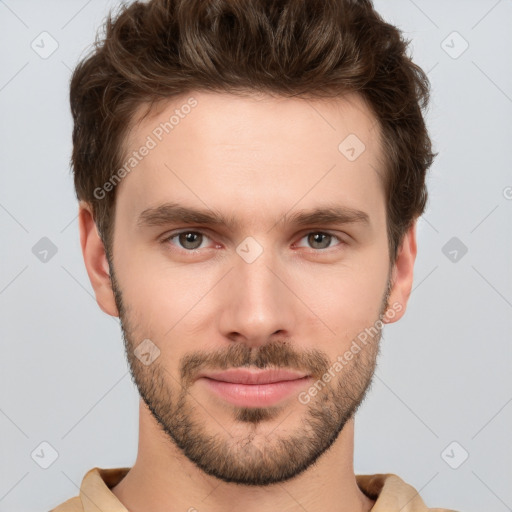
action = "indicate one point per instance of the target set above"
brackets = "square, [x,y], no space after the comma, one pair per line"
[163,479]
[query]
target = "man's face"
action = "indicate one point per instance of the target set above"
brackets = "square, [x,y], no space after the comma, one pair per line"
[262,291]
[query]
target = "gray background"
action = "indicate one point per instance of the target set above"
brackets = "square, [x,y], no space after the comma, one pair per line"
[444,372]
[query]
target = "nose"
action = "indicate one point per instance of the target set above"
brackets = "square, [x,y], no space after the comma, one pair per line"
[257,303]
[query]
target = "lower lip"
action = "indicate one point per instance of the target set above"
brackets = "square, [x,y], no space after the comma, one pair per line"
[255,395]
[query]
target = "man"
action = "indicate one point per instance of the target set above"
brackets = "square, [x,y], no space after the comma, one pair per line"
[249,174]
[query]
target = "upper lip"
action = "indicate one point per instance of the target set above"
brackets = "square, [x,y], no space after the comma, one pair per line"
[245,376]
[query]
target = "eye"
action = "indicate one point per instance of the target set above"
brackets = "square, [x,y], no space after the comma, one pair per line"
[188,240]
[193,240]
[320,239]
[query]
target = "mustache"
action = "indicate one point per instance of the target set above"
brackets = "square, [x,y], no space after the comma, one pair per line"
[271,355]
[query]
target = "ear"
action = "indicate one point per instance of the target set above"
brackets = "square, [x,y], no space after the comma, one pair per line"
[95,260]
[402,276]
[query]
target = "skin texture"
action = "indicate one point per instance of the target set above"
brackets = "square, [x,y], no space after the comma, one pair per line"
[299,305]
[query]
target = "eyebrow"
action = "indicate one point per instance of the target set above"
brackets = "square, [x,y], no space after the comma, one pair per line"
[170,213]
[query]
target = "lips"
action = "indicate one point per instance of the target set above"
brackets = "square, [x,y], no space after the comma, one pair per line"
[246,376]
[254,388]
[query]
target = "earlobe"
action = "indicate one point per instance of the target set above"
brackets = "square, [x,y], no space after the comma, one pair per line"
[95,260]
[402,276]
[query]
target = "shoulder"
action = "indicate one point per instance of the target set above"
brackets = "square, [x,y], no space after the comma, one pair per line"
[71,505]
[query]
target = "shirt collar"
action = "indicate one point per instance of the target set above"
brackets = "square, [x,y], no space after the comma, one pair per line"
[95,492]
[391,493]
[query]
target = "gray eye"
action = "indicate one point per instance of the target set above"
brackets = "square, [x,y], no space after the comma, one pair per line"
[190,239]
[318,240]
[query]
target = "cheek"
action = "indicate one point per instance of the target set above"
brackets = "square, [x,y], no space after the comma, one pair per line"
[347,299]
[172,307]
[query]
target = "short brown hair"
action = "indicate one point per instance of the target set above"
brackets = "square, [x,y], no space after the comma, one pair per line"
[157,50]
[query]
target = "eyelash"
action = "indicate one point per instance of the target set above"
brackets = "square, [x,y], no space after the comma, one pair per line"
[168,238]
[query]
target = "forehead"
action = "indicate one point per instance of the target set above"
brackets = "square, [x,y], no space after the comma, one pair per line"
[208,148]
[231,119]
